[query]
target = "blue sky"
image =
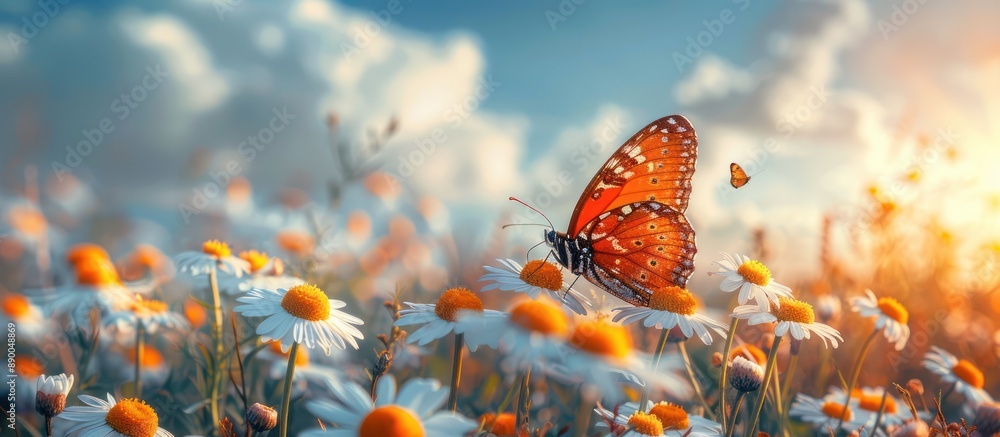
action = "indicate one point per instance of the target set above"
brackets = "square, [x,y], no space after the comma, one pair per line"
[851,75]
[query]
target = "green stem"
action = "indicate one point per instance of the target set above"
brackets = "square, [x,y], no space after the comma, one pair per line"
[881,410]
[456,372]
[694,381]
[792,363]
[286,397]
[762,396]
[855,372]
[523,401]
[139,344]
[219,346]
[736,413]
[583,414]
[655,363]
[725,370]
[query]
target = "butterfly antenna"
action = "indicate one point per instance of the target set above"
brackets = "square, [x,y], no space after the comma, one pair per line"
[522,224]
[533,209]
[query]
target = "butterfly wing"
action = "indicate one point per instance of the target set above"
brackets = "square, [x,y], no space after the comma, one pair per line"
[639,247]
[656,164]
[737,177]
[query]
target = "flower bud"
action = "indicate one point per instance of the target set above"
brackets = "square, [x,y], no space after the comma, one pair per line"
[261,417]
[745,375]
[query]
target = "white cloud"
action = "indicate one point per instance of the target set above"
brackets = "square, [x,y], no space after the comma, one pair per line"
[183,55]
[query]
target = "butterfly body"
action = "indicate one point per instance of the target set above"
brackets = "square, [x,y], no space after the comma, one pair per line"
[628,233]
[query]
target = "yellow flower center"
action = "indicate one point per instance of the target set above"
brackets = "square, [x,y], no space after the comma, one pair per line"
[15,306]
[28,367]
[500,426]
[390,421]
[307,303]
[256,259]
[151,357]
[671,416]
[148,307]
[645,424]
[673,299]
[755,272]
[872,403]
[542,274]
[97,273]
[455,300]
[969,373]
[895,310]
[749,352]
[216,248]
[836,411]
[793,310]
[85,251]
[133,418]
[535,316]
[603,339]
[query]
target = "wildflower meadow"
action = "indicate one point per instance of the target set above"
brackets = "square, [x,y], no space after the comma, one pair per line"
[345,218]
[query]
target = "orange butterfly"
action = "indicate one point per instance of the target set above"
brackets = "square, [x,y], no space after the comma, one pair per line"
[628,233]
[737,177]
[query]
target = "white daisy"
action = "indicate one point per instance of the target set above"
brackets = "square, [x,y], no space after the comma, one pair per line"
[866,402]
[822,414]
[966,377]
[440,319]
[153,314]
[535,278]
[302,314]
[265,272]
[662,419]
[412,411]
[670,307]
[890,316]
[214,255]
[19,310]
[601,354]
[531,335]
[97,287]
[752,278]
[127,418]
[793,317]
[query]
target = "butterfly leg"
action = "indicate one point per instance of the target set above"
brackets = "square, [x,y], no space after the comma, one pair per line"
[527,255]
